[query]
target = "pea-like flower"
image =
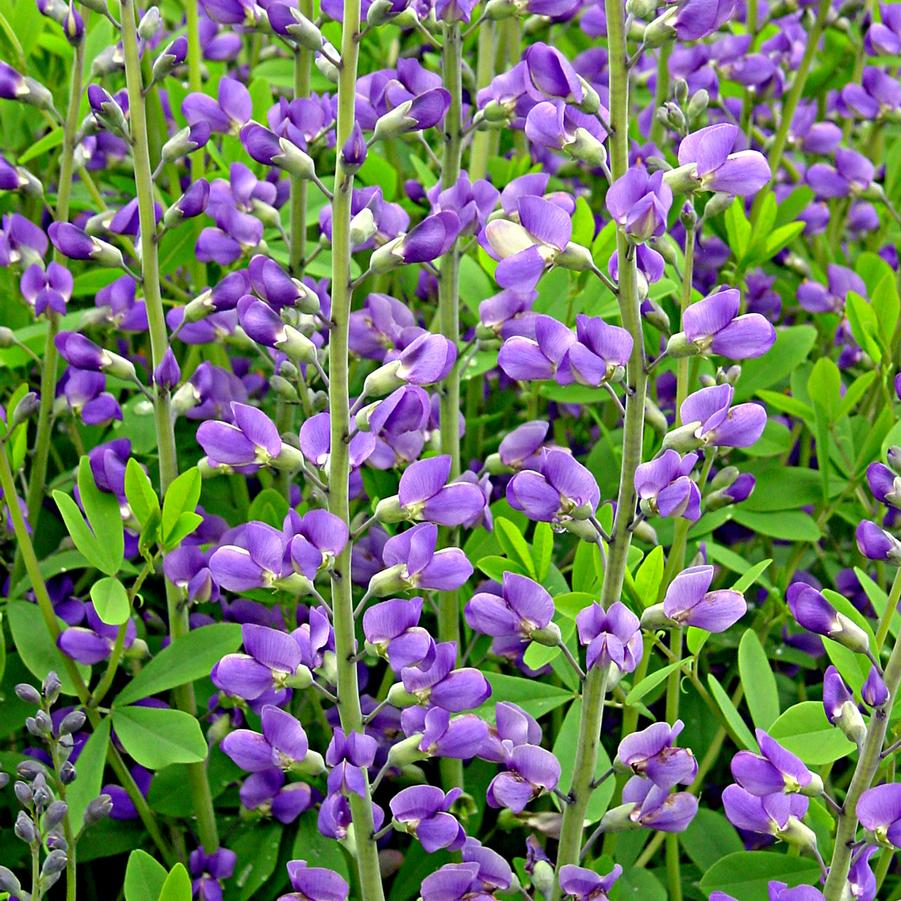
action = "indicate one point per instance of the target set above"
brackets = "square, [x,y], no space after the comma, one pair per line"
[560,489]
[525,609]
[530,771]
[582,884]
[812,611]
[707,163]
[775,814]
[877,544]
[652,753]
[315,883]
[879,810]
[47,289]
[710,420]
[613,636]
[249,443]
[689,603]
[639,203]
[423,812]
[392,631]
[774,769]
[664,486]
[283,744]
[440,684]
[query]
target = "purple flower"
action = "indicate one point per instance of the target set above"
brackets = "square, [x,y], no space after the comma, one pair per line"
[482,873]
[689,603]
[425,360]
[640,203]
[773,770]
[550,74]
[267,792]
[540,357]
[708,159]
[512,727]
[414,563]
[422,811]
[249,443]
[877,544]
[76,244]
[93,642]
[861,877]
[561,489]
[420,112]
[613,636]
[443,735]
[839,706]
[208,871]
[598,355]
[282,745]
[812,611]
[712,325]
[586,885]
[273,661]
[781,891]
[652,753]
[315,883]
[349,756]
[530,771]
[874,691]
[232,111]
[525,608]
[392,631]
[775,814]
[268,148]
[852,174]
[711,420]
[443,686]
[879,810]
[665,487]
[316,442]
[656,808]
[877,95]
[49,289]
[315,540]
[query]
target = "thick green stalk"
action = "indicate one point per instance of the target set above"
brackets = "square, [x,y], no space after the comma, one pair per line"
[370,880]
[774,155]
[303,61]
[449,322]
[37,477]
[633,435]
[864,773]
[661,91]
[195,82]
[480,149]
[159,343]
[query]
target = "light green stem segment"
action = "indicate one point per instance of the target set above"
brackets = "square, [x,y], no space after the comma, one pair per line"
[370,880]
[661,91]
[449,322]
[38,475]
[159,343]
[480,149]
[303,61]
[774,155]
[570,845]
[864,773]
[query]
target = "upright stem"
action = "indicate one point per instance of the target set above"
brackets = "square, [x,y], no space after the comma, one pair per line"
[159,343]
[865,772]
[774,155]
[661,91]
[339,462]
[480,149]
[449,321]
[633,435]
[303,60]
[195,82]
[37,478]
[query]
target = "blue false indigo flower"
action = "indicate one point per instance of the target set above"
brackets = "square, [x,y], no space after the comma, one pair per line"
[426,241]
[550,75]
[186,141]
[879,810]
[817,298]
[707,163]
[172,57]
[878,95]
[76,244]
[348,756]
[228,116]
[282,745]
[776,814]
[874,690]
[315,883]
[392,631]
[555,125]
[208,871]
[267,793]
[664,486]
[710,420]
[93,642]
[561,489]
[290,23]
[47,289]
[315,540]
[651,807]
[168,374]
[861,877]
[525,610]
[247,444]
[268,148]
[877,544]
[613,636]
[14,86]
[640,203]
[192,203]
[263,325]
[423,812]
[433,732]
[107,111]
[582,884]
[652,753]
[85,395]
[83,353]
[425,494]
[275,286]
[530,772]
[424,361]
[812,611]
[423,111]
[852,174]
[353,154]
[774,769]
[440,685]
[598,355]
[512,727]
[689,603]
[712,325]
[839,706]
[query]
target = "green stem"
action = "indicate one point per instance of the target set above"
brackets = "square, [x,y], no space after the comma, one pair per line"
[480,149]
[774,156]
[370,880]
[195,82]
[891,607]
[661,91]
[673,687]
[303,60]
[71,858]
[864,773]
[38,474]
[633,435]
[159,343]
[682,368]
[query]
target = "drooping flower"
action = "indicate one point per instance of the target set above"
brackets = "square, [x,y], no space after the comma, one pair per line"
[879,810]
[707,157]
[423,811]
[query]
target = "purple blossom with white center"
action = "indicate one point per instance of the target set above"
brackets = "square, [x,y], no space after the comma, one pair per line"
[559,490]
[283,745]
[640,203]
[613,636]
[412,561]
[439,734]
[392,629]
[585,885]
[852,174]
[664,486]
[711,420]
[441,685]
[709,159]
[529,772]
[423,811]
[273,661]
[268,794]
[774,814]
[209,871]
[812,611]
[879,811]
[652,753]
[93,642]
[315,883]
[774,769]
[688,602]
[348,756]
[876,543]
[658,808]
[524,609]
[512,727]
[599,354]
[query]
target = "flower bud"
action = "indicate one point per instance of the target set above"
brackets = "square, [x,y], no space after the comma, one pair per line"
[98,809]
[24,828]
[150,24]
[661,30]
[28,693]
[54,863]
[55,813]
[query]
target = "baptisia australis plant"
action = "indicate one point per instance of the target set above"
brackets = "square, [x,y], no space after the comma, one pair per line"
[429,435]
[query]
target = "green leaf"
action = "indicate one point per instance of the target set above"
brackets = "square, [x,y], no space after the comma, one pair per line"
[779,238]
[111,601]
[649,683]
[534,697]
[311,844]
[35,646]
[177,886]
[269,506]
[885,303]
[824,385]
[144,877]
[855,392]
[184,526]
[761,693]
[90,774]
[649,577]
[805,731]
[257,848]
[568,739]
[50,141]
[542,548]
[139,492]
[79,532]
[104,517]
[583,223]
[864,324]
[787,525]
[515,546]
[570,603]
[495,567]
[183,661]
[181,497]
[740,730]
[587,568]
[792,346]
[746,875]
[879,600]
[738,228]
[158,737]
[708,838]
[378,171]
[751,575]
